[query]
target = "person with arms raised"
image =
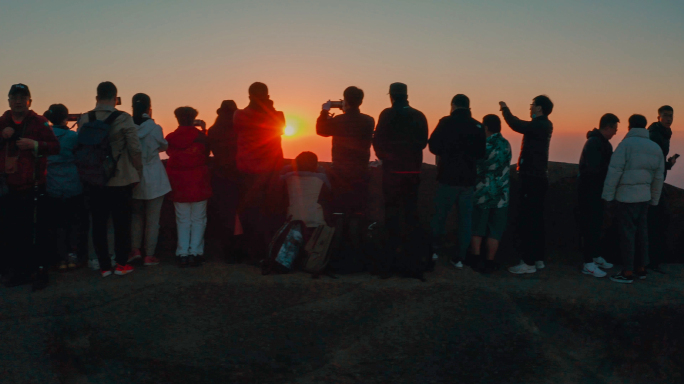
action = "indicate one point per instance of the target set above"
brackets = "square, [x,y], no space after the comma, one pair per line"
[25,142]
[534,181]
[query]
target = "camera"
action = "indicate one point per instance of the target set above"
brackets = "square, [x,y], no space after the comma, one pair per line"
[337,104]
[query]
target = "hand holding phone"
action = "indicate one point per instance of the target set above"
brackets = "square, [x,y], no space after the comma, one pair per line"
[200,123]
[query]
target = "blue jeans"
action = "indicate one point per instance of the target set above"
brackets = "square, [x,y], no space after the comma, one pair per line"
[445,199]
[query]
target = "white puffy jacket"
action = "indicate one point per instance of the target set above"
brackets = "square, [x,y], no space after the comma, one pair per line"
[636,171]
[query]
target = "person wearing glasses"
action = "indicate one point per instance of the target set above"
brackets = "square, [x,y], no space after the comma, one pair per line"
[26,140]
[534,180]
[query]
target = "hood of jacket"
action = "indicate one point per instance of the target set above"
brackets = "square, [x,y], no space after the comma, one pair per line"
[663,130]
[595,133]
[183,137]
[60,130]
[146,127]
[637,132]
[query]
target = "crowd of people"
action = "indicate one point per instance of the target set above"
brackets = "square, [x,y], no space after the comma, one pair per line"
[59,188]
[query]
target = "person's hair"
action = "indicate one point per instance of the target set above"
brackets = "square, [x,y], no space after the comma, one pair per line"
[545,103]
[141,104]
[608,120]
[665,108]
[258,90]
[353,96]
[460,101]
[397,97]
[637,121]
[306,162]
[56,114]
[493,123]
[185,115]
[106,90]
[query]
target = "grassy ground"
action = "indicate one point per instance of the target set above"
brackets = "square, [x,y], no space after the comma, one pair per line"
[229,324]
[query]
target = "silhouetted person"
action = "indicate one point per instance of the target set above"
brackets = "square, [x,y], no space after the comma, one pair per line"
[25,143]
[458,141]
[308,187]
[68,216]
[148,195]
[658,218]
[399,140]
[593,168]
[534,181]
[191,184]
[635,179]
[225,177]
[259,128]
[492,186]
[114,198]
[352,137]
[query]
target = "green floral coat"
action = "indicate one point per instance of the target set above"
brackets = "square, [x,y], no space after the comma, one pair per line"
[493,174]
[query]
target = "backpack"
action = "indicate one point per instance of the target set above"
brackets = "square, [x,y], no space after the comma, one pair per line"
[284,248]
[318,250]
[94,159]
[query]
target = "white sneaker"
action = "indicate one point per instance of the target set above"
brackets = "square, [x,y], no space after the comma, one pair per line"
[458,264]
[602,263]
[435,257]
[94,264]
[593,269]
[539,264]
[522,268]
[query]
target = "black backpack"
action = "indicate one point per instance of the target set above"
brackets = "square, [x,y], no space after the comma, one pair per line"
[94,159]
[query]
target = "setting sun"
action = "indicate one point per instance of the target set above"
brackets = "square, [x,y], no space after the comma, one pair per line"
[290,130]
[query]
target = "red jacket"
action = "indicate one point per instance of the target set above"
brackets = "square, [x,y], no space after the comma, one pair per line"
[258,131]
[38,129]
[187,165]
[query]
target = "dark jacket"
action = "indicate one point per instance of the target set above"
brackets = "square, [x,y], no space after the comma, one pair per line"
[63,180]
[400,137]
[187,165]
[223,144]
[27,161]
[352,136]
[259,128]
[661,135]
[534,154]
[593,165]
[458,141]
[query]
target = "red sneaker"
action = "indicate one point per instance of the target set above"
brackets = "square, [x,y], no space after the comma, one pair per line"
[134,255]
[151,260]
[106,272]
[123,269]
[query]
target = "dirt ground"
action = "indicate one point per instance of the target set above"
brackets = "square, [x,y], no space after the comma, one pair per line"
[228,324]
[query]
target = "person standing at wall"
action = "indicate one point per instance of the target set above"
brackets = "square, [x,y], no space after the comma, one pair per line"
[190,183]
[148,195]
[534,181]
[658,218]
[25,142]
[490,212]
[458,141]
[635,180]
[399,140]
[593,168]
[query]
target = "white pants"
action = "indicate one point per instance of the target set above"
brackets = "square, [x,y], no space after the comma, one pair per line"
[191,220]
[146,212]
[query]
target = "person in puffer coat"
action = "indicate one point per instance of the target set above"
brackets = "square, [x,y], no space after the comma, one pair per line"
[148,195]
[635,179]
[68,216]
[190,183]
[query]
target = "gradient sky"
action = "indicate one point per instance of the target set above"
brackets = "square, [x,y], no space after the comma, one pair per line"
[590,57]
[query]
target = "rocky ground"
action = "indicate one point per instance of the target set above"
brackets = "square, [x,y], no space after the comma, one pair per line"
[228,324]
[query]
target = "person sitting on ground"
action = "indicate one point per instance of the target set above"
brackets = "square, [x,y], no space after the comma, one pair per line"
[69,230]
[25,142]
[148,196]
[308,189]
[490,212]
[635,179]
[593,168]
[190,183]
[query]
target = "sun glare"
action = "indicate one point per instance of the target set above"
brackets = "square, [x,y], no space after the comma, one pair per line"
[290,130]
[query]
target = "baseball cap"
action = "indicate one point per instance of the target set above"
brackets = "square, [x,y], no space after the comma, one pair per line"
[398,89]
[19,88]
